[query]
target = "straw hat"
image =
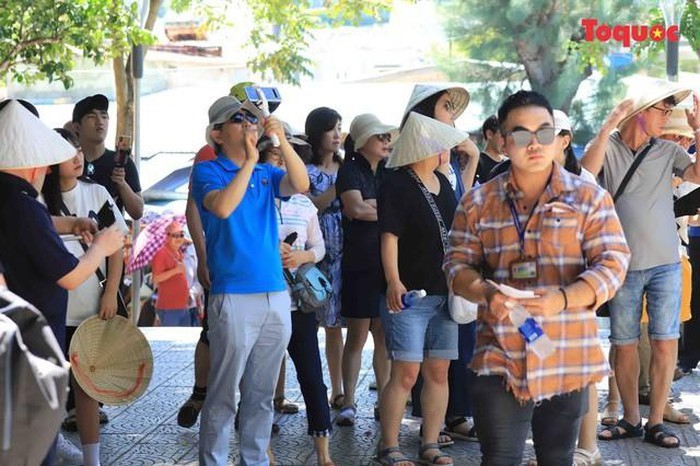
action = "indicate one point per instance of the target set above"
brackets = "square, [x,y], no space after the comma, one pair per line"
[27,142]
[650,95]
[111,360]
[678,124]
[458,95]
[423,137]
[367,125]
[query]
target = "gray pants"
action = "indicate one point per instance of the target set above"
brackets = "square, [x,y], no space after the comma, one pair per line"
[248,335]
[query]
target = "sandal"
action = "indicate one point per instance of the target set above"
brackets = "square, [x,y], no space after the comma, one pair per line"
[658,435]
[282,406]
[337,402]
[610,414]
[435,458]
[622,429]
[446,437]
[586,458]
[671,414]
[384,459]
[346,417]
[452,429]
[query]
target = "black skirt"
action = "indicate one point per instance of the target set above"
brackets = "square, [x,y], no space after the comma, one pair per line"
[360,294]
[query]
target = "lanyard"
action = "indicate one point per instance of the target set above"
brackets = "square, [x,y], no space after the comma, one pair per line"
[519,226]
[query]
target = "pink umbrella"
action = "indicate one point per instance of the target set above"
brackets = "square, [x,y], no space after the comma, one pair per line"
[150,240]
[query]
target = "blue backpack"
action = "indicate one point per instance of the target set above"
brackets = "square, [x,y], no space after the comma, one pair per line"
[311,289]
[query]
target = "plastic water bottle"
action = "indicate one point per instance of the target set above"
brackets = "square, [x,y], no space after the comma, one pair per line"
[531,331]
[410,298]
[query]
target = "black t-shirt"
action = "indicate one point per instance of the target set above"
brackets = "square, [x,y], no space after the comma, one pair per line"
[404,211]
[484,168]
[100,171]
[34,255]
[360,237]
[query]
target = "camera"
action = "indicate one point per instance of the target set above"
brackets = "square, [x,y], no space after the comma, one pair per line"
[272,94]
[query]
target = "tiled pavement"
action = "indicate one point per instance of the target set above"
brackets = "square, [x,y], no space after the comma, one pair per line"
[146,432]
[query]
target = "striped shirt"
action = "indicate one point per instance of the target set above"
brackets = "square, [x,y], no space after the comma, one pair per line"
[575,234]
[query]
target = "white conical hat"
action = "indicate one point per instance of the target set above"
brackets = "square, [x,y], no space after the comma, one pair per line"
[458,95]
[651,94]
[423,137]
[678,124]
[26,142]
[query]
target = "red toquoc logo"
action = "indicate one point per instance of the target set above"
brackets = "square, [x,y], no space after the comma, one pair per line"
[627,33]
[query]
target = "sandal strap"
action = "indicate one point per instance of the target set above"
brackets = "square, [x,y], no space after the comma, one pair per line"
[383,456]
[428,446]
[658,433]
[456,422]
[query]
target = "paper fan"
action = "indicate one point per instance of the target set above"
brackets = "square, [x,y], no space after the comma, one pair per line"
[111,360]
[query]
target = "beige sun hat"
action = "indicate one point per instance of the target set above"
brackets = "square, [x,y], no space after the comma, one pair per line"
[651,94]
[26,142]
[678,124]
[366,125]
[221,111]
[423,137]
[458,95]
[111,360]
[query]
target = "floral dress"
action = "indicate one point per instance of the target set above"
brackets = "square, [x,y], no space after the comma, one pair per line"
[331,227]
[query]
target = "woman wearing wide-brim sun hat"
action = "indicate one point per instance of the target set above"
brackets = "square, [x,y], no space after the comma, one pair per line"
[367,148]
[446,103]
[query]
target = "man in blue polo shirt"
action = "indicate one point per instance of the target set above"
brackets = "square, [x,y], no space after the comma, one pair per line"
[249,307]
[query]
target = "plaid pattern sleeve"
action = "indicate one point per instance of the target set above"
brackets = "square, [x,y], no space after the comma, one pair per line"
[575,234]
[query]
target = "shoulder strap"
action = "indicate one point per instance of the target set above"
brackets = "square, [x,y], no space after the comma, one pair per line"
[433,207]
[632,169]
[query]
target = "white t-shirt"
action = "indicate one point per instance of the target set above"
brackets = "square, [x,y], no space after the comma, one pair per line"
[85,200]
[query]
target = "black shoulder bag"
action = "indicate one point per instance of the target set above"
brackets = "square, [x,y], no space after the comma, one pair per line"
[604,311]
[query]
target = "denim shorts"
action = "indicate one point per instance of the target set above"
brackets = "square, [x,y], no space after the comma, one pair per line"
[424,330]
[662,287]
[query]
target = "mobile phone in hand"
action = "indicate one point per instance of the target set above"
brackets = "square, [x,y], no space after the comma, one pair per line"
[123,151]
[105,216]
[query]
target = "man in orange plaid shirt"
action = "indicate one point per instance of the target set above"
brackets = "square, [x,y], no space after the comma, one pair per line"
[536,227]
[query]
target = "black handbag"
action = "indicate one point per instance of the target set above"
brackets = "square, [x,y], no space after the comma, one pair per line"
[604,310]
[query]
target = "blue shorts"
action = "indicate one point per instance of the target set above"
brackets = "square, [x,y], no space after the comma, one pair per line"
[174,317]
[662,287]
[425,330]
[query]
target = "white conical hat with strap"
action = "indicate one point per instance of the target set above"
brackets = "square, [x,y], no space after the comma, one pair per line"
[26,142]
[423,137]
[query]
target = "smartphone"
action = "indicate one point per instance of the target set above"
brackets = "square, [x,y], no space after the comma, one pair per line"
[291,238]
[123,151]
[105,216]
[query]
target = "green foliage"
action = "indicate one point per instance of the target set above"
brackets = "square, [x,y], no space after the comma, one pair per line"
[39,39]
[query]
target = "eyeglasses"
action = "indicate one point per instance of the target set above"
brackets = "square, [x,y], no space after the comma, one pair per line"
[239,117]
[177,235]
[386,137]
[522,137]
[664,111]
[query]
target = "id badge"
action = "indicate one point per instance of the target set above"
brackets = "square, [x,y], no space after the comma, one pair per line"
[523,269]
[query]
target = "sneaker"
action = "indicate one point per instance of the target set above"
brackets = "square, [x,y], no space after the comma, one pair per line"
[189,412]
[68,454]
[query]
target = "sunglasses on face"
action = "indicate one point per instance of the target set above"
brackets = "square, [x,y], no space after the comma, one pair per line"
[177,235]
[664,111]
[386,137]
[239,117]
[522,137]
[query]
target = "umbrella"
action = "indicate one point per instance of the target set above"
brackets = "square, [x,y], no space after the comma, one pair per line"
[150,240]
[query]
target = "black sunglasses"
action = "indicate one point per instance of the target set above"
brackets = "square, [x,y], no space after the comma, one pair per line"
[177,235]
[239,117]
[386,137]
